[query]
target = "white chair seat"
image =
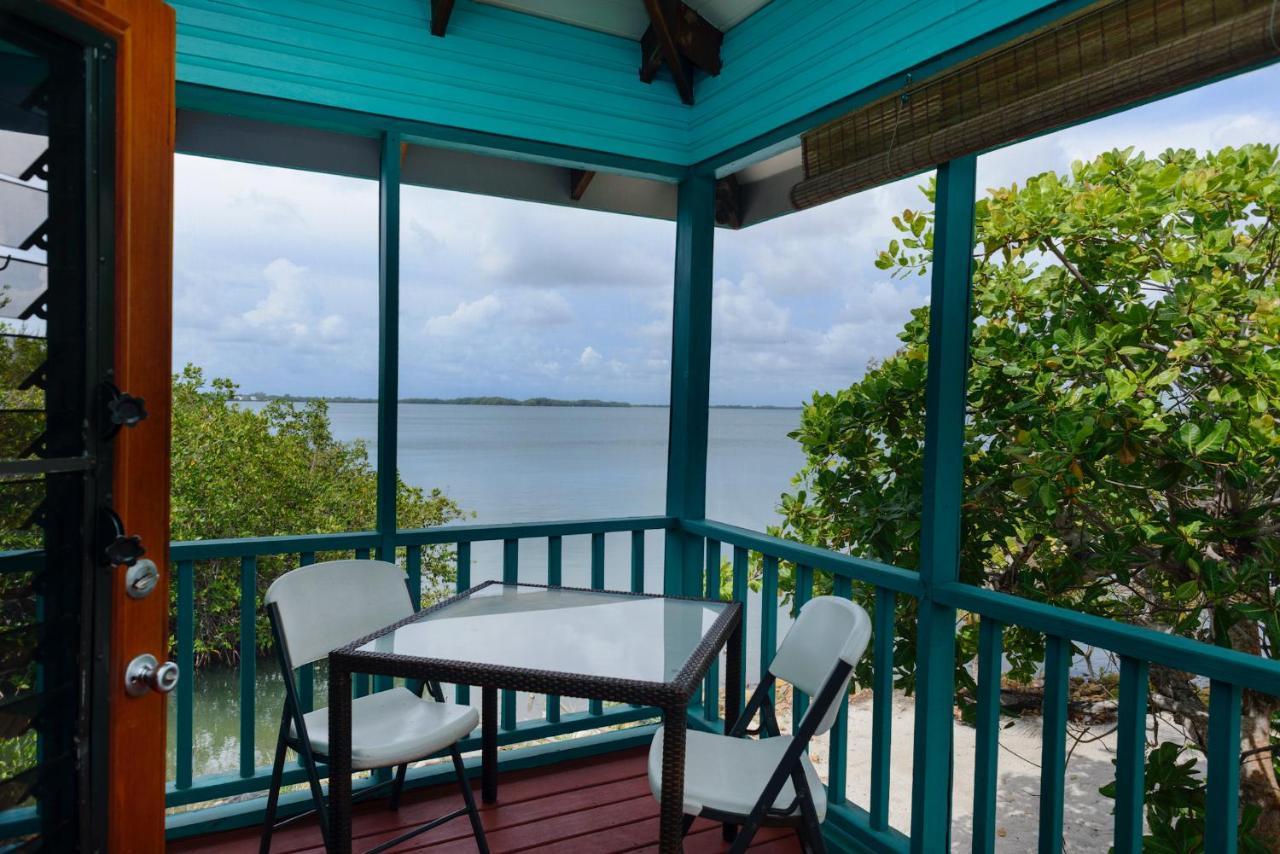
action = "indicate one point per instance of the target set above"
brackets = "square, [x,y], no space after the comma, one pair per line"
[392,727]
[729,774]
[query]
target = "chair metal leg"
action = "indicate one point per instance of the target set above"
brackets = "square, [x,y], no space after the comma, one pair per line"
[745,835]
[317,793]
[688,823]
[810,827]
[277,775]
[469,799]
[398,786]
[810,834]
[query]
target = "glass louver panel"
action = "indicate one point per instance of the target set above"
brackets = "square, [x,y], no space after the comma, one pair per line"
[21,281]
[21,155]
[23,210]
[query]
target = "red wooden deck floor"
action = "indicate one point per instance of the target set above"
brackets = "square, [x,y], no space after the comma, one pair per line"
[601,804]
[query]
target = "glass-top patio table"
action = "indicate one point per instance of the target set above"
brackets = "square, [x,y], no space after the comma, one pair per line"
[636,648]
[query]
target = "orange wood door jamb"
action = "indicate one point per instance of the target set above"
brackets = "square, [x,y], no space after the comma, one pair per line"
[144,34]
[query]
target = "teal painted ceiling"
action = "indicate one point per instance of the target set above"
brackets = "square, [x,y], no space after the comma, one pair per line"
[507,72]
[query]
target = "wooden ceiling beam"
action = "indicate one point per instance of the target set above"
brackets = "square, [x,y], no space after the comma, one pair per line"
[664,26]
[681,39]
[729,202]
[579,180]
[440,12]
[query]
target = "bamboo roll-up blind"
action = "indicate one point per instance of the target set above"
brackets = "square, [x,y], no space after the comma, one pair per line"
[1112,54]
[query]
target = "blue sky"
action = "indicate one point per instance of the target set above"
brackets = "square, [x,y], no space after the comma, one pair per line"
[276,277]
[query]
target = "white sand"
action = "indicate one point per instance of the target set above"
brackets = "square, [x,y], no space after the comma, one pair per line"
[1088,821]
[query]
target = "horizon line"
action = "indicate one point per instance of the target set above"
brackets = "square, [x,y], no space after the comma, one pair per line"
[497,400]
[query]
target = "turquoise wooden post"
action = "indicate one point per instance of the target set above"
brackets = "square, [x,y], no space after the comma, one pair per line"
[1053,752]
[882,636]
[943,485]
[388,357]
[248,661]
[1131,755]
[187,665]
[987,749]
[690,378]
[1222,806]
[388,339]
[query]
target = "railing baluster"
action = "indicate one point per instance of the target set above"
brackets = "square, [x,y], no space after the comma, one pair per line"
[987,725]
[360,681]
[1057,667]
[741,586]
[838,750]
[637,561]
[187,666]
[307,672]
[510,561]
[1131,740]
[413,574]
[555,577]
[881,705]
[804,592]
[597,561]
[1222,808]
[768,615]
[462,581]
[596,707]
[711,684]
[510,575]
[248,661]
[555,561]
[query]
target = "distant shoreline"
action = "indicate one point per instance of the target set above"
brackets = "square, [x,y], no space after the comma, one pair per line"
[488,401]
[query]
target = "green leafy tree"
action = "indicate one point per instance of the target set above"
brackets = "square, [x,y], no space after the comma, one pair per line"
[238,472]
[19,427]
[1121,443]
[19,497]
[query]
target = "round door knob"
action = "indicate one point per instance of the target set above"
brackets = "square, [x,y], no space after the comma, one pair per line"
[145,674]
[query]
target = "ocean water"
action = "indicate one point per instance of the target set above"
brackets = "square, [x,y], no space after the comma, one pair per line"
[527,464]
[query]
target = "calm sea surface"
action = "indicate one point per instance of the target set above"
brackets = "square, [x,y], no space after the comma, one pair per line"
[526,464]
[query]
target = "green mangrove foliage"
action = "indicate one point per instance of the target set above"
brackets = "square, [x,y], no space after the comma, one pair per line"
[241,472]
[1121,444]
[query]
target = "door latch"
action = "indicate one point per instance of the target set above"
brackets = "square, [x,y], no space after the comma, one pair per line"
[145,674]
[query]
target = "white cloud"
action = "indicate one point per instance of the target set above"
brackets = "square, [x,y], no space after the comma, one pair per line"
[496,312]
[276,276]
[467,318]
[285,306]
[743,312]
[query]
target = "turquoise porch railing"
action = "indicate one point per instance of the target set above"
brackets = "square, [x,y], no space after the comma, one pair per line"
[863,826]
[867,826]
[187,558]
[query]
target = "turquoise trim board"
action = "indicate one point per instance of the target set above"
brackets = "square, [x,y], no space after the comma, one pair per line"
[518,76]
[497,71]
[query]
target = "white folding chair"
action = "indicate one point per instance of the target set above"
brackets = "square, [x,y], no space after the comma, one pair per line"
[317,608]
[750,782]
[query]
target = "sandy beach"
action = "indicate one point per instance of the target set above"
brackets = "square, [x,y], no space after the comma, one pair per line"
[1088,819]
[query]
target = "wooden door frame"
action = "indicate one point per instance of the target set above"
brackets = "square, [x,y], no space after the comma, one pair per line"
[144,33]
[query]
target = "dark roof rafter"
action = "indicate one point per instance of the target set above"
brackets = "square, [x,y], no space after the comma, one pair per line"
[579,180]
[440,12]
[681,39]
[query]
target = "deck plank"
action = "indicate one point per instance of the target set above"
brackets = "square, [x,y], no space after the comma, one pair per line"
[599,805]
